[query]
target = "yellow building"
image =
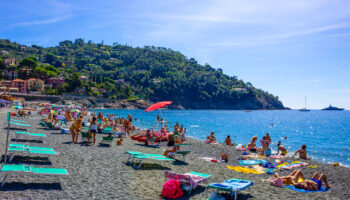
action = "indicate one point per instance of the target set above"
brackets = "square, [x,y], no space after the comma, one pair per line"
[35,85]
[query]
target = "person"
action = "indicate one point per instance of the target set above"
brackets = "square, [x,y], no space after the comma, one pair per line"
[252,144]
[302,153]
[120,141]
[212,138]
[282,149]
[224,157]
[126,126]
[93,130]
[170,153]
[285,137]
[228,141]
[263,144]
[171,141]
[268,137]
[75,129]
[148,137]
[313,184]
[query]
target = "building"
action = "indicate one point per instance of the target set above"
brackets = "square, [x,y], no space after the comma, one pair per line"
[55,82]
[35,85]
[79,91]
[240,89]
[84,78]
[9,61]
[5,83]
[22,85]
[11,74]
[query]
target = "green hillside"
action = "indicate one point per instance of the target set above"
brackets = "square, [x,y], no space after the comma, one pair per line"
[150,73]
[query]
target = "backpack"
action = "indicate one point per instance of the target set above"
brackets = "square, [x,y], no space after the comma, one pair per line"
[171,189]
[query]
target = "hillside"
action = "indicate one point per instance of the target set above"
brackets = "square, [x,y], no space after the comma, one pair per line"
[150,73]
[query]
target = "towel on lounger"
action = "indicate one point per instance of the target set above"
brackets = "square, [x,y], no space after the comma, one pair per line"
[292,187]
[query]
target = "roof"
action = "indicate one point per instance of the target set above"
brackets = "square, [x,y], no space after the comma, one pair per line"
[19,80]
[34,79]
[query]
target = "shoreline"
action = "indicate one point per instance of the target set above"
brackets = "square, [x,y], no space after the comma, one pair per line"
[98,172]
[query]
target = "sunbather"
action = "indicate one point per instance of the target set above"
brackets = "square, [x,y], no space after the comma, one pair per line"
[313,184]
[228,141]
[171,152]
[93,130]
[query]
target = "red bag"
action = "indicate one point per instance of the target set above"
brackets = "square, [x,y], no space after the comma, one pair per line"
[171,189]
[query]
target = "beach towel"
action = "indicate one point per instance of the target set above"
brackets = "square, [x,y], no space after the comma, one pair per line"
[244,170]
[293,165]
[172,190]
[251,162]
[277,156]
[292,187]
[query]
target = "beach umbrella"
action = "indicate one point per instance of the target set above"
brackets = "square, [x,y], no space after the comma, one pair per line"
[158,105]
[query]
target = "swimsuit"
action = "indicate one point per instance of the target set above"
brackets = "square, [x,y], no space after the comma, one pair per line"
[319,183]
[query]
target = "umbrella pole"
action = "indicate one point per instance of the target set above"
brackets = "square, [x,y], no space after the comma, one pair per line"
[7,136]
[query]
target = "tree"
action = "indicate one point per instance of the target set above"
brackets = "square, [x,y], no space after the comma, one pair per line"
[2,65]
[27,66]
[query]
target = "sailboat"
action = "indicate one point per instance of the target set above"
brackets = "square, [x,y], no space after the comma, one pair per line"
[304,109]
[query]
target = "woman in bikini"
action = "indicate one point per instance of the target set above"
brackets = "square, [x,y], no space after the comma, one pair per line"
[93,130]
[75,129]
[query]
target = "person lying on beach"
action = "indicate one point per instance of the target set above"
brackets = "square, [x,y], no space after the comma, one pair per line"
[228,141]
[314,184]
[302,153]
[282,149]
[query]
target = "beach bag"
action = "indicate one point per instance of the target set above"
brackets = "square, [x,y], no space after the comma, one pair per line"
[171,189]
[278,182]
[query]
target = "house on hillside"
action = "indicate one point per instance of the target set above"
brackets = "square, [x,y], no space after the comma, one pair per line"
[84,78]
[11,74]
[240,90]
[22,85]
[36,85]
[55,82]
[9,61]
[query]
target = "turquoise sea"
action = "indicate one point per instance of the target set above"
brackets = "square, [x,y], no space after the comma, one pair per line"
[326,133]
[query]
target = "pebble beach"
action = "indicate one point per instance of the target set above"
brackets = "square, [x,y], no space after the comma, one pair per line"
[101,172]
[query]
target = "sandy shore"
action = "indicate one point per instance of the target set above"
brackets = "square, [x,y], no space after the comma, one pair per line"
[102,172]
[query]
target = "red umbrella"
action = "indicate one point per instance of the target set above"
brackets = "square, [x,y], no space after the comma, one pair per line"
[158,105]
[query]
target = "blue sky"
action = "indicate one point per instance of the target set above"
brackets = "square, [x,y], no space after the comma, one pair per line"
[291,49]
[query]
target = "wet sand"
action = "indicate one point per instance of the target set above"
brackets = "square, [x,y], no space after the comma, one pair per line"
[100,172]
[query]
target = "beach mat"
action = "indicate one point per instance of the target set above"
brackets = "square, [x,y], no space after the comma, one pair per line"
[292,187]
[244,170]
[251,162]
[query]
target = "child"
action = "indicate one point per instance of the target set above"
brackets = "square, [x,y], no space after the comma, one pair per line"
[281,148]
[224,157]
[120,141]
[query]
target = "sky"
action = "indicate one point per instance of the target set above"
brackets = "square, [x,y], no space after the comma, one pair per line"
[291,49]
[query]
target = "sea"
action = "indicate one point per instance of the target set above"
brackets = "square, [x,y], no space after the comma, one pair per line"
[326,133]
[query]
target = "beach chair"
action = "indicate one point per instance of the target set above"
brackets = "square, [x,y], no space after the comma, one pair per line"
[85,136]
[28,150]
[17,120]
[107,130]
[193,179]
[8,170]
[142,158]
[19,124]
[32,147]
[23,133]
[233,186]
[134,153]
[107,140]
[182,152]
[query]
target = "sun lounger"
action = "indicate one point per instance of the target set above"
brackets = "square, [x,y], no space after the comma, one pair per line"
[141,157]
[192,178]
[107,130]
[29,170]
[183,153]
[233,186]
[35,151]
[20,133]
[17,120]
[32,147]
[19,124]
[292,187]
[85,136]
[107,140]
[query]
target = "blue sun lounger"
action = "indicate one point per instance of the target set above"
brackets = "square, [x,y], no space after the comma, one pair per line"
[19,124]
[142,156]
[233,186]
[8,170]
